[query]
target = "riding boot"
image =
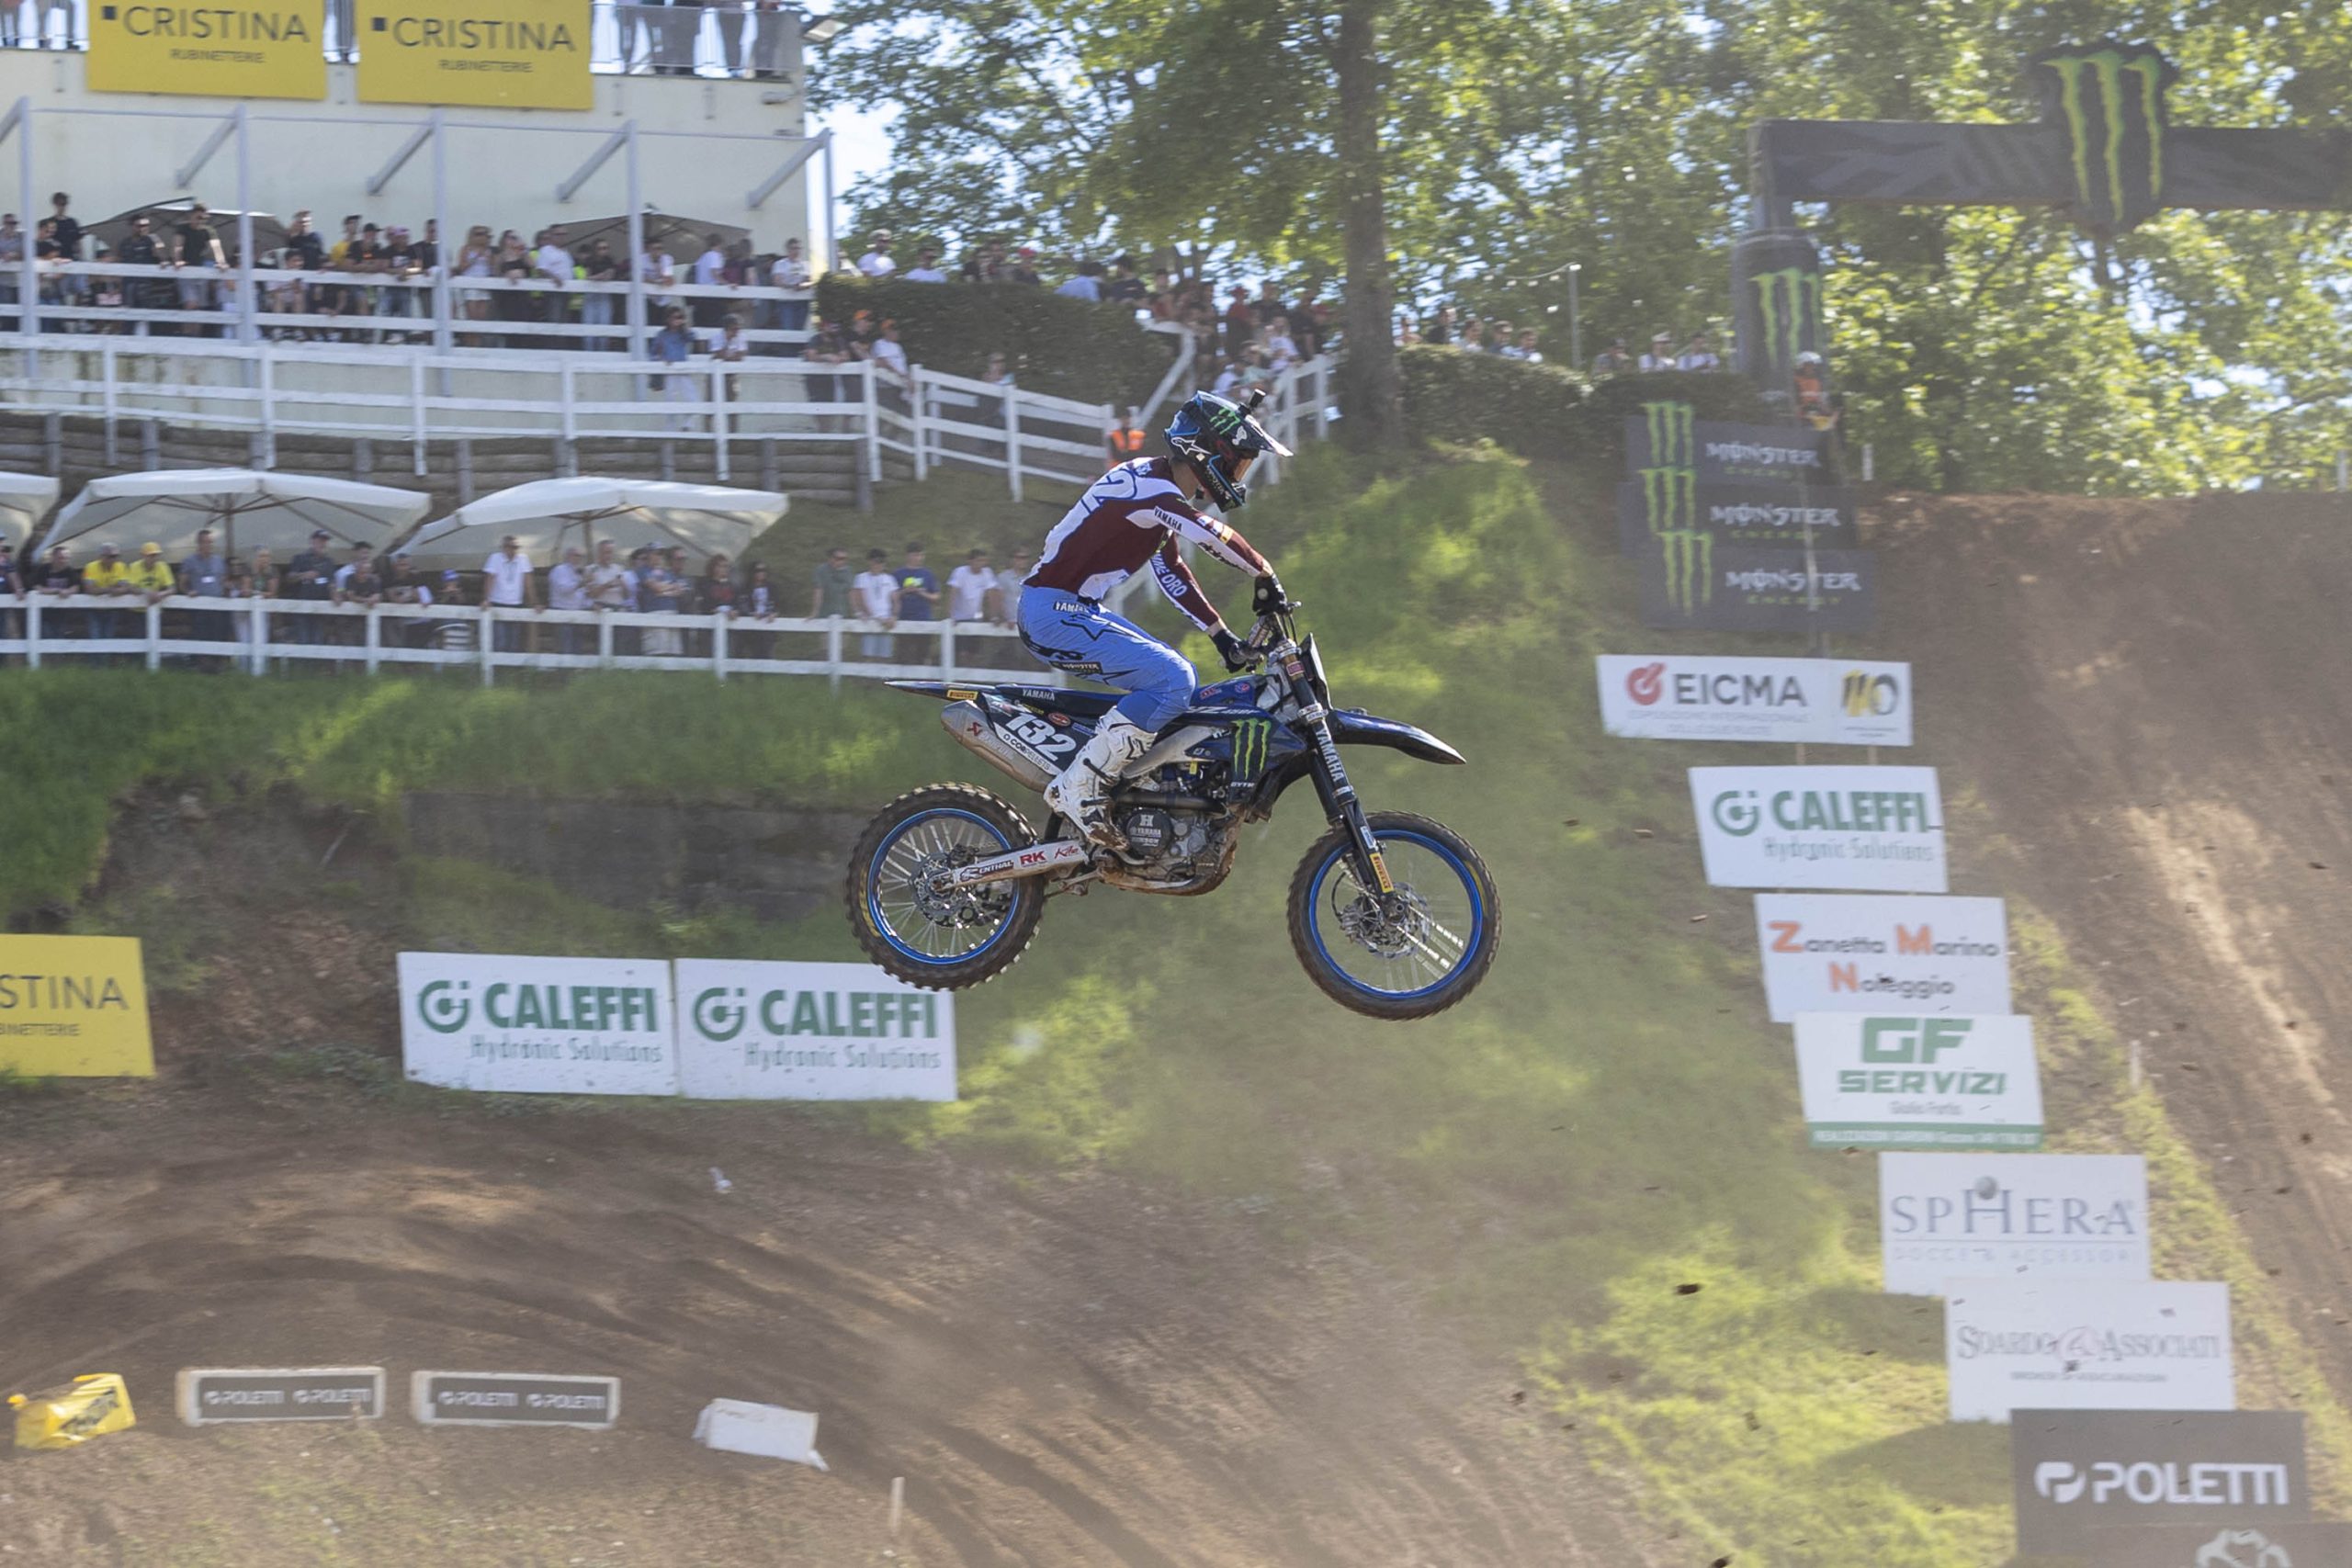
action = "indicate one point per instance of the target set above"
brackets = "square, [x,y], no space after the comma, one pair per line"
[1078,791]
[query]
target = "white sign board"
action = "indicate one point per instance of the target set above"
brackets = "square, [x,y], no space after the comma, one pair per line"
[1860,952]
[1945,1216]
[1830,702]
[2086,1345]
[737,1426]
[514,1025]
[1918,1080]
[754,1030]
[1875,830]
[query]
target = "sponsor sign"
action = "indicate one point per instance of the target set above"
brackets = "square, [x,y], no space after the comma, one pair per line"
[1934,1080]
[513,1399]
[751,1030]
[1943,1216]
[518,1025]
[1667,435]
[1834,702]
[1843,953]
[514,53]
[2235,1544]
[1879,829]
[1687,579]
[2074,1344]
[235,49]
[74,1007]
[1660,501]
[209,1396]
[2079,1473]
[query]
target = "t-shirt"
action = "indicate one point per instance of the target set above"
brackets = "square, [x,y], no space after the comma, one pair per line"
[1008,588]
[196,240]
[567,587]
[789,272]
[874,590]
[58,579]
[206,576]
[505,577]
[925,275]
[309,575]
[833,586]
[102,576]
[968,591]
[873,264]
[890,354]
[910,607]
[710,268]
[609,585]
[148,574]
[1082,288]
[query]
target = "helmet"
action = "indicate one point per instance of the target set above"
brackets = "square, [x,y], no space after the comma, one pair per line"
[1220,440]
[1808,358]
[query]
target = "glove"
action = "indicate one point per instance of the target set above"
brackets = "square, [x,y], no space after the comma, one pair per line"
[1231,649]
[1270,597]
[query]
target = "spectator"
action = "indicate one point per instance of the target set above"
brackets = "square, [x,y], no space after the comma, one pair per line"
[676,28]
[507,584]
[1126,440]
[1023,269]
[452,633]
[730,37]
[1661,353]
[199,247]
[711,272]
[1228,376]
[1086,285]
[1281,351]
[1240,324]
[1009,583]
[1441,328]
[1697,356]
[876,261]
[825,349]
[477,258]
[877,601]
[310,576]
[347,30]
[918,597]
[790,271]
[13,32]
[66,230]
[892,357]
[662,589]
[204,575]
[734,345]
[715,593]
[1506,344]
[741,270]
[1124,287]
[833,584]
[149,577]
[554,264]
[1614,360]
[568,590]
[767,43]
[360,582]
[1474,337]
[673,345]
[106,578]
[608,584]
[303,243]
[968,587]
[660,270]
[58,578]
[262,576]
[400,263]
[998,373]
[12,258]
[926,267]
[598,309]
[985,263]
[760,604]
[1527,349]
[1812,386]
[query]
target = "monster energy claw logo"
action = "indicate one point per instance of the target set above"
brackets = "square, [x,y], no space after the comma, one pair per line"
[1788,302]
[1249,738]
[1669,426]
[1689,555]
[2109,99]
[1669,499]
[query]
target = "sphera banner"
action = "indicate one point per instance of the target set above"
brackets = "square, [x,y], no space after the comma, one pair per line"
[2074,1344]
[1876,829]
[258,49]
[1831,702]
[755,1031]
[1688,580]
[2238,1543]
[1846,952]
[517,1025]
[1657,500]
[1938,1081]
[498,54]
[74,1007]
[1946,1215]
[2078,1473]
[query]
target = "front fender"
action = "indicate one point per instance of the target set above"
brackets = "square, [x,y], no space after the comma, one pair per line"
[1351,728]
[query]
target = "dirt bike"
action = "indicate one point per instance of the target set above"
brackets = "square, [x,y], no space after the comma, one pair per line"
[1392,915]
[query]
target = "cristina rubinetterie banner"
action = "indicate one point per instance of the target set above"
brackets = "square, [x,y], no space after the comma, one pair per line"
[496,54]
[248,49]
[74,1007]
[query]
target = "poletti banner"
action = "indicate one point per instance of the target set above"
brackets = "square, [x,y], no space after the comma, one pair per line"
[1829,702]
[1875,830]
[2081,1475]
[2036,1344]
[1933,1081]
[2046,1216]
[1846,952]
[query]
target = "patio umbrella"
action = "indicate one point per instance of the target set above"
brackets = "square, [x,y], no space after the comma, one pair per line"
[250,509]
[25,499]
[545,516]
[682,236]
[268,232]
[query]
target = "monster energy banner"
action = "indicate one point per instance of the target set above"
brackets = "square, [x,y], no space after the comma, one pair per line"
[1776,305]
[1716,453]
[1689,580]
[2110,99]
[1667,499]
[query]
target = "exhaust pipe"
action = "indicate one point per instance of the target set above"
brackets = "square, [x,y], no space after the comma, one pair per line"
[971,729]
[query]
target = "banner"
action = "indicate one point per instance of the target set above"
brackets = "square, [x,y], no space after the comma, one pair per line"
[1878,829]
[241,48]
[2079,1473]
[2235,1544]
[1832,701]
[1661,500]
[74,1007]
[515,1025]
[513,1399]
[754,1030]
[2086,1344]
[501,54]
[1938,1081]
[1842,953]
[1688,580]
[1943,1216]
[211,1395]
[1667,435]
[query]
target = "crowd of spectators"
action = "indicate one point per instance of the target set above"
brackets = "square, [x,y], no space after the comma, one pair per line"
[1496,336]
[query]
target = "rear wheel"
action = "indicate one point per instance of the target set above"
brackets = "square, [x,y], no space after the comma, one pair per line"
[941,940]
[1407,953]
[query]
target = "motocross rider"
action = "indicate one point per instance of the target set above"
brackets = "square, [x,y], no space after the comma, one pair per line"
[1133,515]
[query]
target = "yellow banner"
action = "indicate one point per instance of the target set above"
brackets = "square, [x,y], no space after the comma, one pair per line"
[74,1007]
[231,49]
[501,54]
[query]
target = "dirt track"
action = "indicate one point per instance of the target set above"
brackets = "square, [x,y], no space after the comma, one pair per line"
[2154,701]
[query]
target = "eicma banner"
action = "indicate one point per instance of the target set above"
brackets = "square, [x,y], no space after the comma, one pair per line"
[1831,702]
[2071,1344]
[241,48]
[1877,830]
[1846,952]
[516,1025]
[1946,1215]
[512,53]
[2078,1473]
[754,1030]
[74,1007]
[1938,1081]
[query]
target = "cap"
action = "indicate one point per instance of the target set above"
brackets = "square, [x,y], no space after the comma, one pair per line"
[111,547]
[320,534]
[449,577]
[150,548]
[1661,337]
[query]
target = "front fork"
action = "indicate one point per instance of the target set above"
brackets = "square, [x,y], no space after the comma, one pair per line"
[1341,807]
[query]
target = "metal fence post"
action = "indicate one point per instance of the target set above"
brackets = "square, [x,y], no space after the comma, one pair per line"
[1012,439]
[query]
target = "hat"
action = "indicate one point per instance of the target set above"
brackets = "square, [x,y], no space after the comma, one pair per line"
[111,547]
[150,548]
[449,577]
[1026,250]
[320,534]
[1661,337]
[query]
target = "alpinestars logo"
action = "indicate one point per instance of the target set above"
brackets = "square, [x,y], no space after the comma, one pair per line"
[1788,302]
[2110,100]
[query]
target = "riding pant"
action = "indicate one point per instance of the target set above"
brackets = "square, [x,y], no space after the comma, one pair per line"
[1080,637]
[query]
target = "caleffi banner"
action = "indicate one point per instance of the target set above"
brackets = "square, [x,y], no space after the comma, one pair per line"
[1832,701]
[1918,1081]
[74,1007]
[779,1030]
[2017,1216]
[2072,1344]
[520,1025]
[1875,830]
[1860,952]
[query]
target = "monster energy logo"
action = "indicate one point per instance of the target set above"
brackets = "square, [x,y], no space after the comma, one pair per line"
[1225,418]
[2118,177]
[1249,738]
[1689,555]
[1669,498]
[1668,429]
[1789,303]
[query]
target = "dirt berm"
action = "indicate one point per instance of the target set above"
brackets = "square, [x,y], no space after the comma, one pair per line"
[2151,702]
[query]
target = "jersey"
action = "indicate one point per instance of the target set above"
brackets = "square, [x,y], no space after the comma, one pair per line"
[1131,517]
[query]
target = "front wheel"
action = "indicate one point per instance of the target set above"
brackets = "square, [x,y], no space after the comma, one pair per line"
[942,940]
[1403,955]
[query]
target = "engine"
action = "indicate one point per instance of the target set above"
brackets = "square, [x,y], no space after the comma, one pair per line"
[1172,850]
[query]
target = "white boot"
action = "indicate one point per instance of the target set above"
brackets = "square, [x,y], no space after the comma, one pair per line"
[1079,790]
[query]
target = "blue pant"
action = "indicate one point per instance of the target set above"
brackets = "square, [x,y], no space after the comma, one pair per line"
[1080,637]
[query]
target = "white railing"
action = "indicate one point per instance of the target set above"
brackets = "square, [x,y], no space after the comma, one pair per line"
[255,635]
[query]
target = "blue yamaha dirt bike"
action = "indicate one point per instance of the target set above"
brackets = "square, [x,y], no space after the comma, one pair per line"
[1395,916]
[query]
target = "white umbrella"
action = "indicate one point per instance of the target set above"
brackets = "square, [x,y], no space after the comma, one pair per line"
[250,509]
[25,499]
[545,516]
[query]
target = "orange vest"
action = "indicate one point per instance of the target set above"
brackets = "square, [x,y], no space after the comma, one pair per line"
[1127,442]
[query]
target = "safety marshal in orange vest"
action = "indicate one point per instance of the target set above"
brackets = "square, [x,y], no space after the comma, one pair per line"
[1127,441]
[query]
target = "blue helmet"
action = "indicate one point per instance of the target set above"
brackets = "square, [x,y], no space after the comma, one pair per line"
[1220,440]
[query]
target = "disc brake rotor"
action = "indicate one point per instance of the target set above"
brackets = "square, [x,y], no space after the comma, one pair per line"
[1387,925]
[954,907]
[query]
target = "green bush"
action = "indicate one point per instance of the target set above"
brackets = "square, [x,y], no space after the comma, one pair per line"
[1542,410]
[1066,348]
